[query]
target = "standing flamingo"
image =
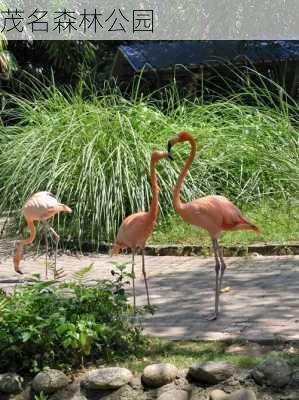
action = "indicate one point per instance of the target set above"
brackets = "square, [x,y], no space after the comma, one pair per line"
[213,213]
[40,207]
[136,228]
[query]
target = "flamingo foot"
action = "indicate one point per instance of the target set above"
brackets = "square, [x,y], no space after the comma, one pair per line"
[226,289]
[20,272]
[16,263]
[211,317]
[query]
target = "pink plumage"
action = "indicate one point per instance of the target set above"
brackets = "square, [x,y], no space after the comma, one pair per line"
[39,207]
[134,231]
[136,228]
[213,213]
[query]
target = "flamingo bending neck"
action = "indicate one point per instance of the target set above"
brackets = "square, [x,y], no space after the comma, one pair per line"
[177,203]
[153,211]
[22,243]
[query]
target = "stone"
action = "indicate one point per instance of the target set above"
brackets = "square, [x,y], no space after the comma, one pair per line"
[107,378]
[49,381]
[157,375]
[70,392]
[248,349]
[218,394]
[125,393]
[181,381]
[211,372]
[175,394]
[242,394]
[274,372]
[295,378]
[11,383]
[136,382]
[26,394]
[289,396]
[66,293]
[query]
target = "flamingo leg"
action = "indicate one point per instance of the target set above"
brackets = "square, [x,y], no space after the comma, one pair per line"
[222,268]
[217,269]
[56,238]
[47,246]
[133,280]
[145,278]
[217,280]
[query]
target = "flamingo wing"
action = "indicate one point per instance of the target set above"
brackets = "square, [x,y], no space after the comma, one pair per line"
[134,230]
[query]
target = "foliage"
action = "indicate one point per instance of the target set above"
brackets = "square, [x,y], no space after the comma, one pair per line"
[94,154]
[8,63]
[58,324]
[40,396]
[65,61]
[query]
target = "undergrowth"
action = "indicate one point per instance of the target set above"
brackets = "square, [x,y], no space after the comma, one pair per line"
[64,325]
[94,153]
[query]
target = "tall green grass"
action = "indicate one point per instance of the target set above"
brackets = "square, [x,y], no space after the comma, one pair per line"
[94,154]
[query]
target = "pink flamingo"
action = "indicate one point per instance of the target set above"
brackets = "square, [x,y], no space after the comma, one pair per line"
[213,213]
[136,228]
[40,207]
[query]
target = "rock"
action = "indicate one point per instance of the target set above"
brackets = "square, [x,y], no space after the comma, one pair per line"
[175,394]
[107,378]
[11,383]
[49,381]
[181,381]
[218,394]
[248,349]
[70,392]
[136,382]
[24,395]
[157,375]
[243,394]
[66,293]
[295,378]
[125,393]
[274,372]
[76,396]
[289,396]
[211,372]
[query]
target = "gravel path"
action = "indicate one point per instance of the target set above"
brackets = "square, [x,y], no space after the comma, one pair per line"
[262,304]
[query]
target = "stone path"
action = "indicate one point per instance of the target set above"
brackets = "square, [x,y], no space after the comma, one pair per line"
[263,302]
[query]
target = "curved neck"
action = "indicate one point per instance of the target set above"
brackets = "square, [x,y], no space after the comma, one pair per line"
[177,204]
[153,212]
[22,243]
[32,235]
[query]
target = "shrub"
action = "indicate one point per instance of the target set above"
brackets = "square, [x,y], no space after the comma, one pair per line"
[94,154]
[59,324]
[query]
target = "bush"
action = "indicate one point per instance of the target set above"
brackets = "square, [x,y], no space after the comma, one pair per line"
[94,154]
[61,325]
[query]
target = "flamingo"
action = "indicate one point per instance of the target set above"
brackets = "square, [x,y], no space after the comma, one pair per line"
[136,228]
[40,207]
[213,213]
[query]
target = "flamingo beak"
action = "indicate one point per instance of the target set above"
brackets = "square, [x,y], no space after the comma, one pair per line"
[170,156]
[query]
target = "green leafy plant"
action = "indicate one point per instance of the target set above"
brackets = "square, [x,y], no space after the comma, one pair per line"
[81,275]
[58,324]
[41,396]
[120,276]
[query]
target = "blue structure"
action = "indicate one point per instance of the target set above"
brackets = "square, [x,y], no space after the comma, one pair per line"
[158,60]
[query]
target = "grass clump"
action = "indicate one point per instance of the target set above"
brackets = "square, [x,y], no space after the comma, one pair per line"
[94,154]
[64,325]
[184,353]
